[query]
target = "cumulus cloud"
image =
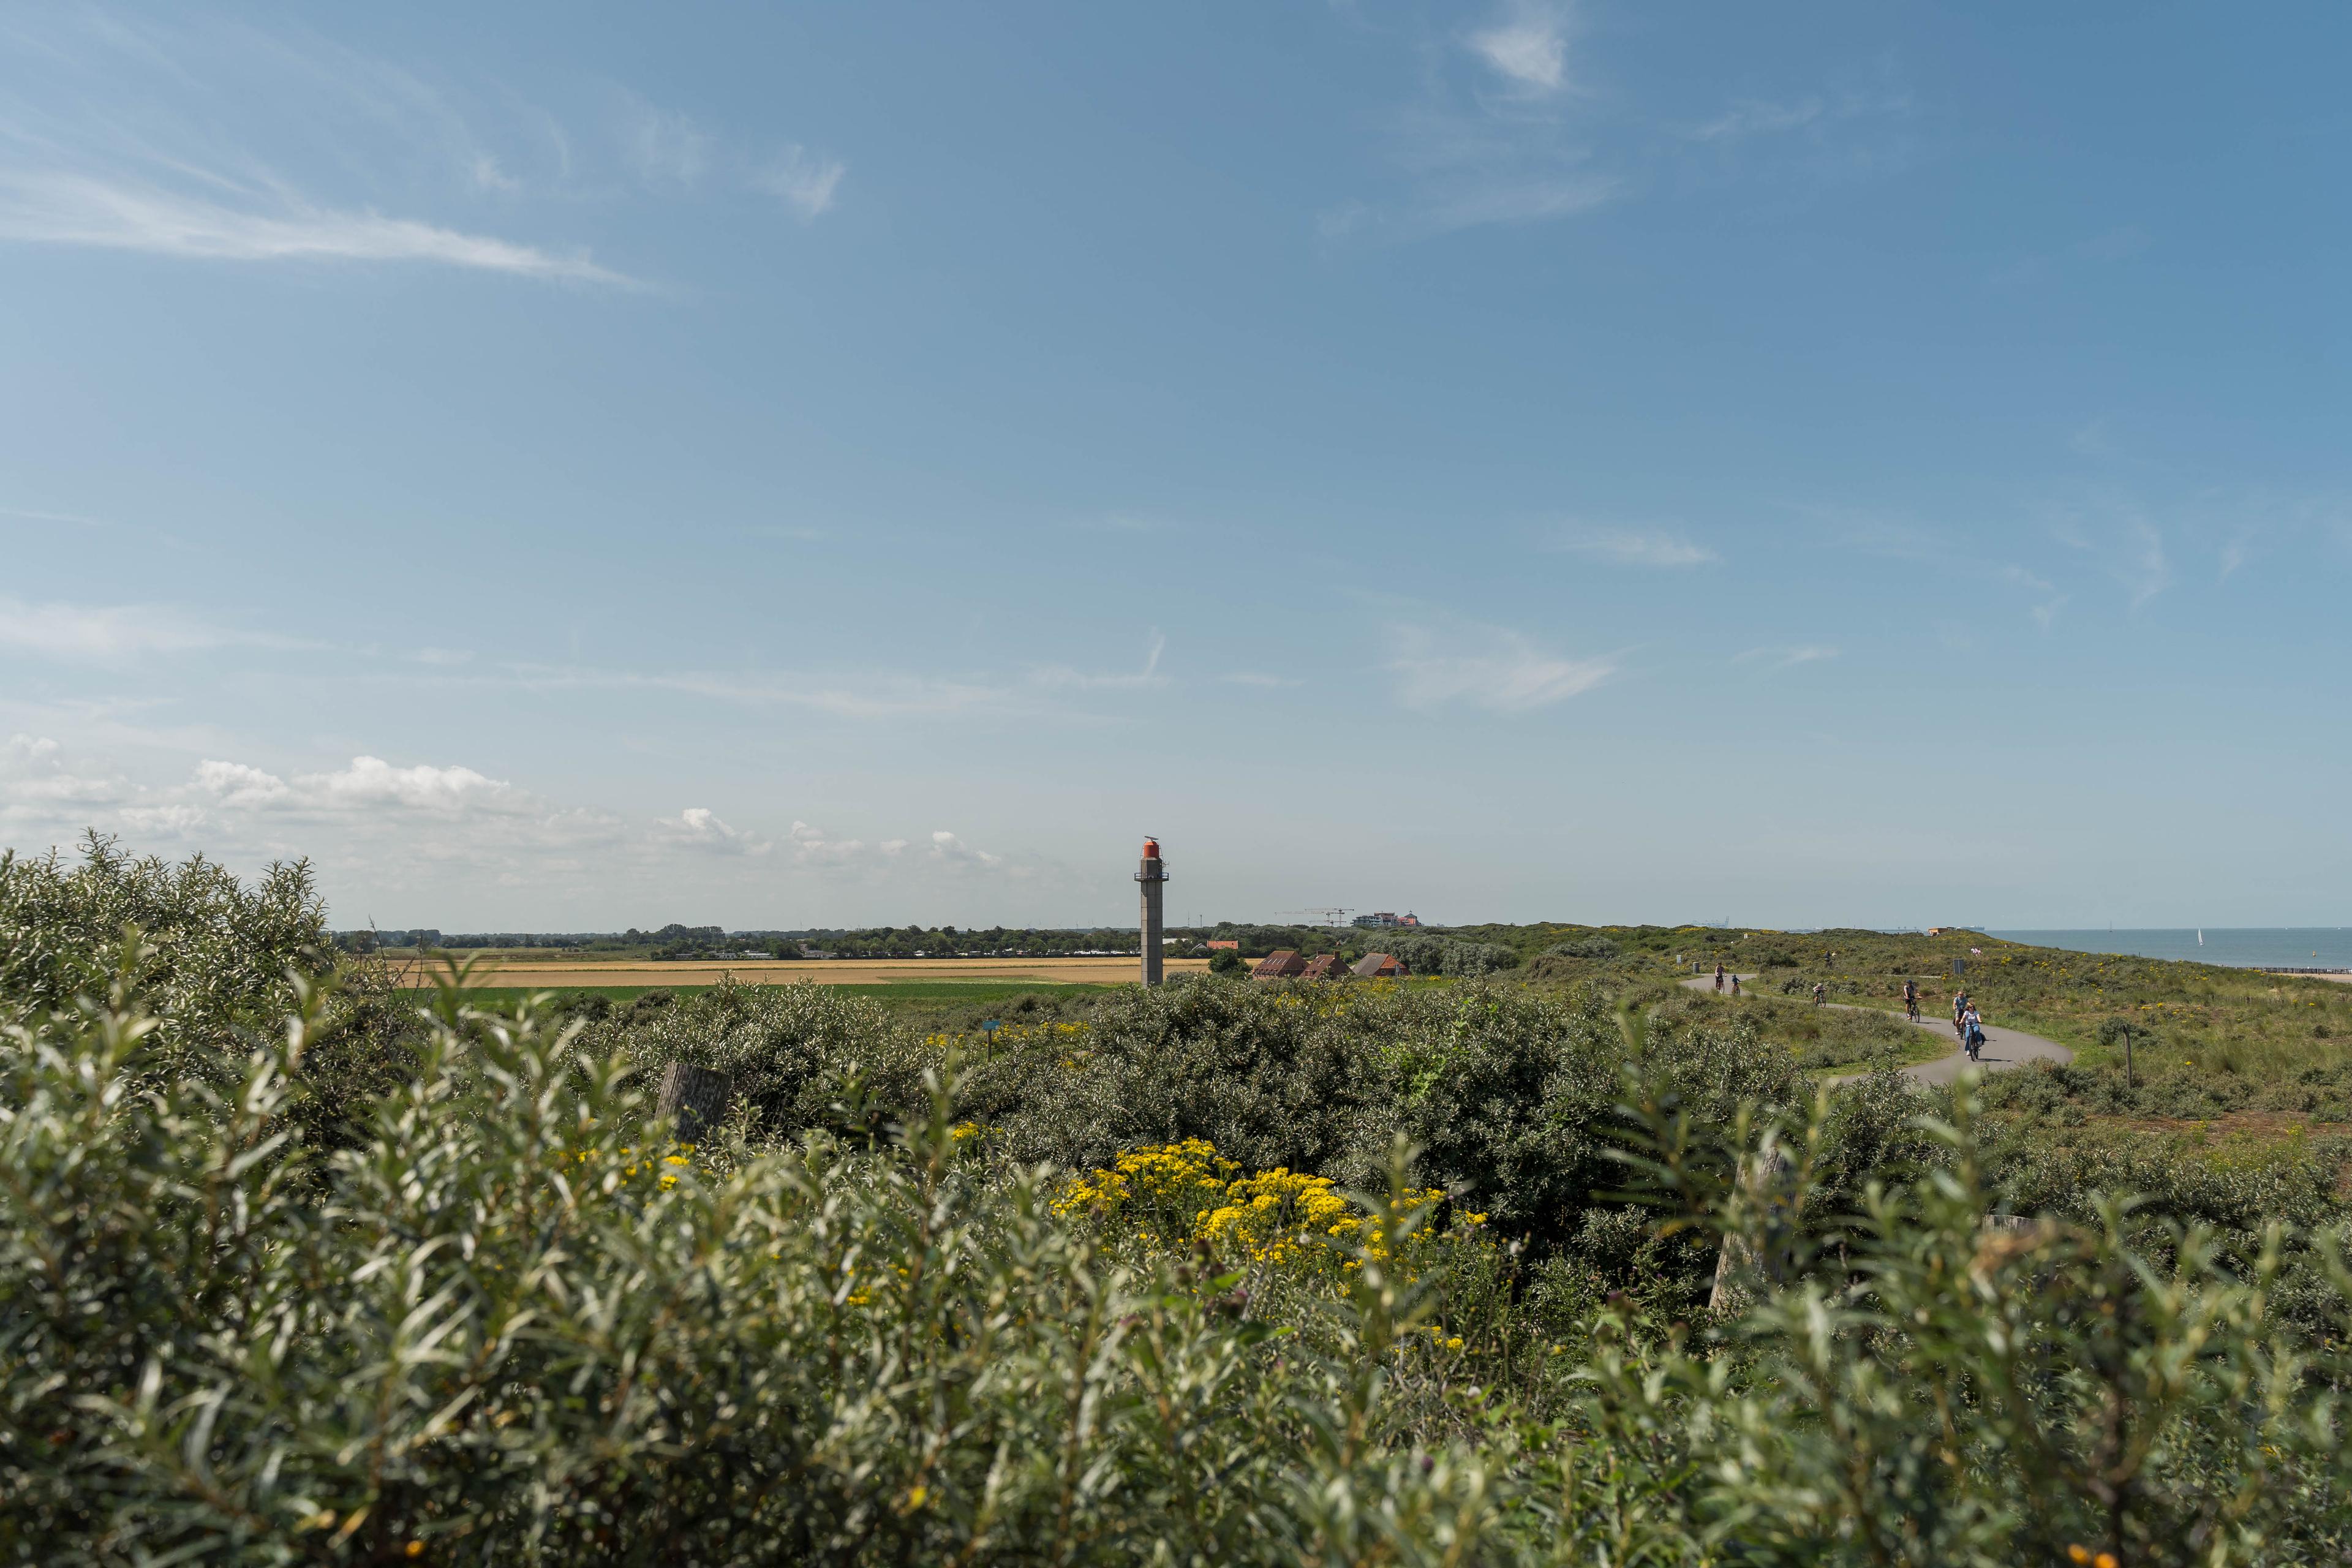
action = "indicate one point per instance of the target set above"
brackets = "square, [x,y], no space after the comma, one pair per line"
[704,828]
[948,848]
[815,845]
[1498,670]
[372,781]
[237,783]
[1632,546]
[34,779]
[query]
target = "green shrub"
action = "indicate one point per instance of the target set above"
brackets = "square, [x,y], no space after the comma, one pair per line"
[801,1056]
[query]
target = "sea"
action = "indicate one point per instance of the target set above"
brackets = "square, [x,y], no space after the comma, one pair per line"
[2242,947]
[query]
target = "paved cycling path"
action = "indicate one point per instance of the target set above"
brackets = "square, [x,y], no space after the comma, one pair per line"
[2003,1048]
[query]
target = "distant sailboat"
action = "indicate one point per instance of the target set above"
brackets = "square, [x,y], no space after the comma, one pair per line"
[2201,936]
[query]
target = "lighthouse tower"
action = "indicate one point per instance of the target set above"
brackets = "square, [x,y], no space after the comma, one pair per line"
[1153,876]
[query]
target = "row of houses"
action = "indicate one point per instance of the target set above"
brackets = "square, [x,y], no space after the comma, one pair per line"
[1288,965]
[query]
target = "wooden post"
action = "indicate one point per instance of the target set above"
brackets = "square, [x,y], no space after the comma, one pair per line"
[694,1099]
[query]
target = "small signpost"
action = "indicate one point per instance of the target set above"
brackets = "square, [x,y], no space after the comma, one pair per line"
[989,1026]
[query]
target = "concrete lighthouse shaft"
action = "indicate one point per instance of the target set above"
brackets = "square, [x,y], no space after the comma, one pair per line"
[1152,876]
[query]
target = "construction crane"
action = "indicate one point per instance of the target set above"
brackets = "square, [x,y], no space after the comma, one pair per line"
[1313,917]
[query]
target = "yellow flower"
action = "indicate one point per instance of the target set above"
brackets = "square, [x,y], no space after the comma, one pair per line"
[1454,1343]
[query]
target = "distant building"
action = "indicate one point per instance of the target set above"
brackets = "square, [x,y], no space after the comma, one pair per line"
[1374,922]
[1224,947]
[1284,965]
[1323,966]
[1379,966]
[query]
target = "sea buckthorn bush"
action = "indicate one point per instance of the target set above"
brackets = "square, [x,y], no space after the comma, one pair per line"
[493,1312]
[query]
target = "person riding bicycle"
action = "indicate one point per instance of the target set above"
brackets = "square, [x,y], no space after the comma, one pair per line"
[1972,1033]
[1911,1000]
[1819,993]
[1718,975]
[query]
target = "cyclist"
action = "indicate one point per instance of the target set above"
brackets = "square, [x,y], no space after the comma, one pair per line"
[1718,976]
[1819,993]
[1911,1000]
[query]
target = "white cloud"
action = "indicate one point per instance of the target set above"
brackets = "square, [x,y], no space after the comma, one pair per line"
[946,847]
[701,826]
[1755,118]
[2116,532]
[56,206]
[815,845]
[2049,599]
[163,821]
[236,783]
[1529,48]
[1786,658]
[1632,546]
[665,148]
[865,696]
[34,779]
[371,781]
[490,177]
[1063,677]
[1502,672]
[2141,563]
[108,633]
[893,847]
[803,179]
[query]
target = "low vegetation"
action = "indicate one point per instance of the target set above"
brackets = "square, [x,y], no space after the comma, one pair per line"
[297,1268]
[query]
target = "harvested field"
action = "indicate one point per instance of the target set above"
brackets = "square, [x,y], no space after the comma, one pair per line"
[558,975]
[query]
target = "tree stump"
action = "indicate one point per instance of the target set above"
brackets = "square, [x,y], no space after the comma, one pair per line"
[694,1099]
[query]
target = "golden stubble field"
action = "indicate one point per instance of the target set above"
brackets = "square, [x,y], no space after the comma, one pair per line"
[560,974]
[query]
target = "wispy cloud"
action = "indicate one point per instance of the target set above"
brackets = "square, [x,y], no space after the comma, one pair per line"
[113,634]
[1754,117]
[863,697]
[1630,546]
[804,180]
[2118,532]
[2048,600]
[64,207]
[1489,667]
[1527,45]
[1785,657]
[1062,676]
[664,146]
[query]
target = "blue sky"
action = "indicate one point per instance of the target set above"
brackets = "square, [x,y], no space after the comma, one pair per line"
[569,467]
